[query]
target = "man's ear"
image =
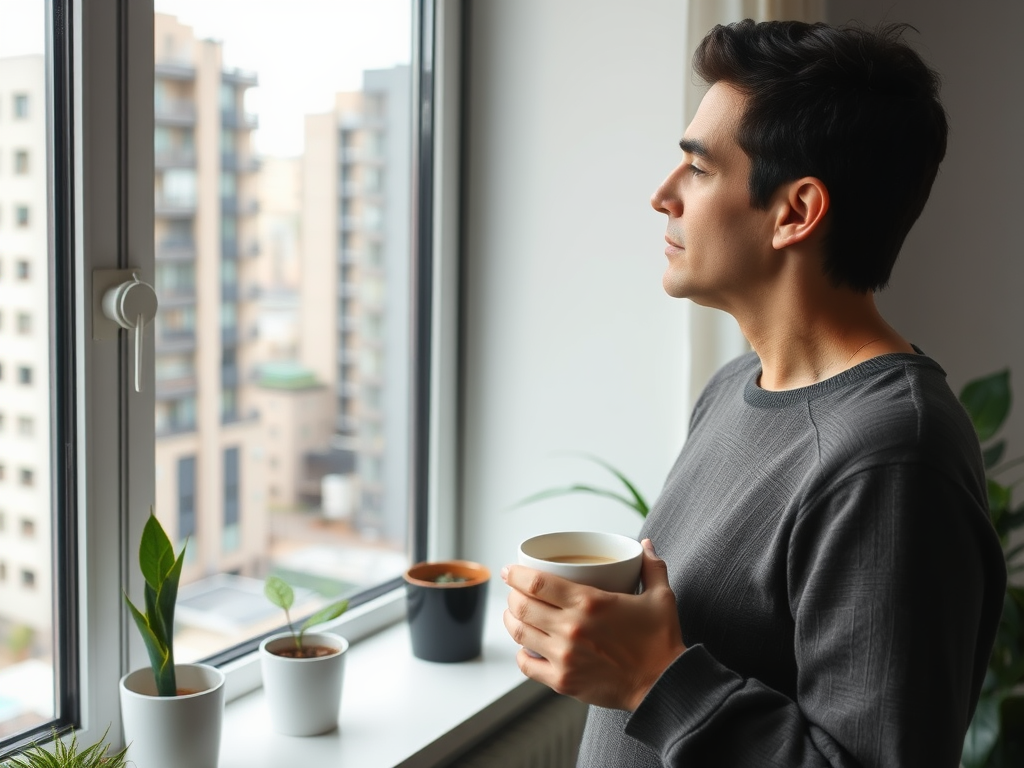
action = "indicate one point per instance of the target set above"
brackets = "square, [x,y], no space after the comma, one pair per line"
[801,206]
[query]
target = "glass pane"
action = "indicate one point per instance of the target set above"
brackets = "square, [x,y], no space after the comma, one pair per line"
[282,186]
[26,541]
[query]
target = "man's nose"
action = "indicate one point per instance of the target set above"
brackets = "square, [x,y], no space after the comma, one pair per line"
[665,200]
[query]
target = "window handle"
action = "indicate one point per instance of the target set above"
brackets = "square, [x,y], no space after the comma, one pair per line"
[132,304]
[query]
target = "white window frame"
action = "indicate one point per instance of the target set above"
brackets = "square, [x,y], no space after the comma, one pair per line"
[114,429]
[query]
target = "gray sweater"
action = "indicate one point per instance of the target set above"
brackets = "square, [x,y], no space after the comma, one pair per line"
[837,577]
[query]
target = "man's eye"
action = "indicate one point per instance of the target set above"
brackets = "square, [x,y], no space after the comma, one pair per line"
[695,171]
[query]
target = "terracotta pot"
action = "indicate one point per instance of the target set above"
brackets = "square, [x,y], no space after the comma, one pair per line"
[304,694]
[173,731]
[446,619]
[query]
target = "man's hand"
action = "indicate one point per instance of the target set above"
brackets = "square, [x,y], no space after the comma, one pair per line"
[602,648]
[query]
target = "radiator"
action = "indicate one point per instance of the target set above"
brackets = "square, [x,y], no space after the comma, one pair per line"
[546,736]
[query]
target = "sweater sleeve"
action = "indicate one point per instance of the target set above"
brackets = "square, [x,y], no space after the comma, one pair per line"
[894,597]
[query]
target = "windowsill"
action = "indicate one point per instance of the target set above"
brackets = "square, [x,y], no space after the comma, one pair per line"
[396,710]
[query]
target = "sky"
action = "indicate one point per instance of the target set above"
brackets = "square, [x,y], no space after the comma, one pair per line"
[303,51]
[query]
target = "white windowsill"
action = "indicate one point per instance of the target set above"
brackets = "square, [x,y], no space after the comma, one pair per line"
[396,710]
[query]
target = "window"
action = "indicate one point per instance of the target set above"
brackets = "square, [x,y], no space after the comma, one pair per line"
[26,426]
[21,106]
[24,322]
[21,162]
[230,508]
[231,542]
[186,498]
[28,528]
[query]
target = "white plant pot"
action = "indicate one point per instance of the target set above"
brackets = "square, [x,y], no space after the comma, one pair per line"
[173,731]
[304,695]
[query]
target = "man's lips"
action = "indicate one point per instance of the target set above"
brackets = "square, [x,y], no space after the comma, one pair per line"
[673,247]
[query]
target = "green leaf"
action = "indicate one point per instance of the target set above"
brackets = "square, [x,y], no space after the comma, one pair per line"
[158,652]
[553,492]
[332,611]
[639,504]
[993,454]
[278,592]
[998,500]
[983,732]
[987,401]
[156,555]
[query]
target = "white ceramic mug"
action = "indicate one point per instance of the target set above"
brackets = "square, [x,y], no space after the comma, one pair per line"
[607,561]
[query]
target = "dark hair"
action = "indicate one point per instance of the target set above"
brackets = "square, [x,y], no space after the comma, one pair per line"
[857,109]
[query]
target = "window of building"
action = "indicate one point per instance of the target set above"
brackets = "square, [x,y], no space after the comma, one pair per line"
[231,537]
[22,269]
[28,578]
[24,322]
[28,527]
[24,375]
[26,426]
[21,106]
[27,477]
[3,571]
[21,216]
[21,162]
[3,471]
[187,500]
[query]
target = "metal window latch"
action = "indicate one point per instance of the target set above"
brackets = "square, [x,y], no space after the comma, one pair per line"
[121,298]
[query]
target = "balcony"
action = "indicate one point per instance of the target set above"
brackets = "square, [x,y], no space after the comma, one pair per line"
[229,292]
[229,249]
[170,69]
[236,118]
[236,163]
[169,342]
[174,208]
[174,112]
[176,250]
[229,336]
[174,158]
[232,205]
[176,388]
[237,76]
[229,376]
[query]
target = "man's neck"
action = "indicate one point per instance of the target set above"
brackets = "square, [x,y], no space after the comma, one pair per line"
[802,341]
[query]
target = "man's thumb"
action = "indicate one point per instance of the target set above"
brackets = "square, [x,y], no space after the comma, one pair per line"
[653,570]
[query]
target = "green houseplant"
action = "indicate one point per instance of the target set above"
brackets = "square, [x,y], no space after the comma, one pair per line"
[302,671]
[995,738]
[171,713]
[67,754]
[631,497]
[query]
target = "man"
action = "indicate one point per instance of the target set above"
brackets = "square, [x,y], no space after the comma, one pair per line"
[831,583]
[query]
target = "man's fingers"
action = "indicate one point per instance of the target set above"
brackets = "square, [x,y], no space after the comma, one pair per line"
[546,587]
[524,634]
[653,571]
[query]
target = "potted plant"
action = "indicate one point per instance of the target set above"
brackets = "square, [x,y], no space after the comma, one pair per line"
[446,601]
[68,755]
[632,498]
[171,713]
[995,738]
[302,671]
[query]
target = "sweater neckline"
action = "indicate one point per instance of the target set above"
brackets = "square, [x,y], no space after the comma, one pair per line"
[764,398]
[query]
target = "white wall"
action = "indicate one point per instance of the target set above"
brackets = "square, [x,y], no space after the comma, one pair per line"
[958,287]
[574,114]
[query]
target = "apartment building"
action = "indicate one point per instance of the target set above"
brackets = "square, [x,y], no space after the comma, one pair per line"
[206,241]
[356,286]
[25,542]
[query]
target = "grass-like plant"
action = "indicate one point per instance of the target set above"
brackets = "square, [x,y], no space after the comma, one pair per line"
[995,738]
[632,498]
[282,595]
[162,572]
[66,754]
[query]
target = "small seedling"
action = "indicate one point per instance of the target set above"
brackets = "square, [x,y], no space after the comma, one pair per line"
[283,596]
[67,755]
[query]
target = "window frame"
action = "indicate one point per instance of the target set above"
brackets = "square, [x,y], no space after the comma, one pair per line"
[100,152]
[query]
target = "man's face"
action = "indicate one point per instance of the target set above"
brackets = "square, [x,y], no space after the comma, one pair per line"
[719,246]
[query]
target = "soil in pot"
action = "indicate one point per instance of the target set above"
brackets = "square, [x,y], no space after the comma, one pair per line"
[306,652]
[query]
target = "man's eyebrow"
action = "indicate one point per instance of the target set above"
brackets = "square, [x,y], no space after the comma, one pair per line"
[695,147]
